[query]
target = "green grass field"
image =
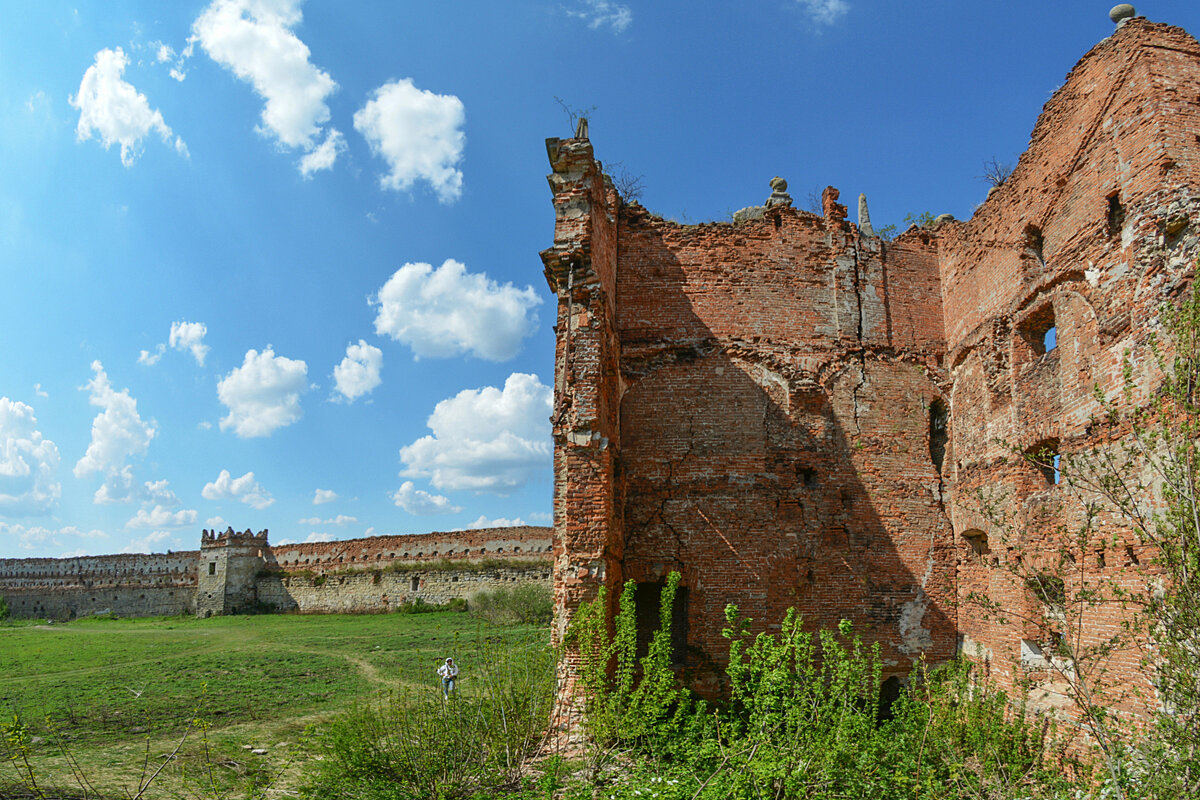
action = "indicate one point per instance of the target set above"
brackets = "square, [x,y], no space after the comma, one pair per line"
[115,690]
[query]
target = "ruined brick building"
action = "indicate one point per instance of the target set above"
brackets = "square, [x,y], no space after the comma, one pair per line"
[791,411]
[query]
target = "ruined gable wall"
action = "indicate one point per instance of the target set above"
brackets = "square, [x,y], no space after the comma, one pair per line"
[1047,247]
[777,379]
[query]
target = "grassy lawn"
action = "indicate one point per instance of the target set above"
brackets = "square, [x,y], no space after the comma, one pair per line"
[116,690]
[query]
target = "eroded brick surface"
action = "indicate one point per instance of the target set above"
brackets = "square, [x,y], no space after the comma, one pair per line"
[790,413]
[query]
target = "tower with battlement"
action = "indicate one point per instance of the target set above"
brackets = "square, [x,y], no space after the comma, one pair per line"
[229,566]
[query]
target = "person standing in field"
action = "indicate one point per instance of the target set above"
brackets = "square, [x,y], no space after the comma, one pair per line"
[449,672]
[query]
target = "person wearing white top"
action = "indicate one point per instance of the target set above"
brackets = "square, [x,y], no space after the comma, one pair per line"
[448,671]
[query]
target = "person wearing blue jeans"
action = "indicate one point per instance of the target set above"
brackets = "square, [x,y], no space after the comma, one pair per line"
[449,672]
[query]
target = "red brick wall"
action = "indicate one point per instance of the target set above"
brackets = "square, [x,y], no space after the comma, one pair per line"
[1127,123]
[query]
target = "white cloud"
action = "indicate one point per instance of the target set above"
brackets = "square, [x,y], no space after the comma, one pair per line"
[323,496]
[324,156]
[113,110]
[542,516]
[118,434]
[825,12]
[358,374]
[28,461]
[245,489]
[159,517]
[340,519]
[151,542]
[599,13]
[369,531]
[498,522]
[120,487]
[213,523]
[151,357]
[165,52]
[486,440]
[190,336]
[263,394]
[319,537]
[37,389]
[420,502]
[40,537]
[418,133]
[254,40]
[446,311]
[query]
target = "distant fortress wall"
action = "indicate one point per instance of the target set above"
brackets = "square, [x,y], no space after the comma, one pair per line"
[135,585]
[240,572]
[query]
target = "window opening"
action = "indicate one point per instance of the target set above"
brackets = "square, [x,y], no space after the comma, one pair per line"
[1049,590]
[212,568]
[938,416]
[1044,456]
[416,583]
[978,541]
[1040,331]
[889,693]
[1034,243]
[1116,214]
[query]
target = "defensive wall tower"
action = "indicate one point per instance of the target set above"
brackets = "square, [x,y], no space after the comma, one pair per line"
[229,566]
[791,411]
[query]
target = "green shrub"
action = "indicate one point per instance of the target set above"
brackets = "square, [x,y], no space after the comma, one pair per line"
[419,606]
[4,612]
[523,604]
[802,719]
[413,744]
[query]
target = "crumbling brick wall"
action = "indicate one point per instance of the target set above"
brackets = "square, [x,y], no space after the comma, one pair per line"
[750,405]
[791,412]
[1091,235]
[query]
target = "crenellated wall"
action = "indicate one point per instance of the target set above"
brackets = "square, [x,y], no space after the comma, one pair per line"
[241,572]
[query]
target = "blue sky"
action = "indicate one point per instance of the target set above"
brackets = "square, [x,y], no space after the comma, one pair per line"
[273,264]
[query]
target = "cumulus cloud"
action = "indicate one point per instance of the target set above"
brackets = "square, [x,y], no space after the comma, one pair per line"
[340,519]
[159,517]
[447,311]
[418,133]
[183,336]
[38,537]
[245,489]
[190,336]
[120,487]
[324,156]
[486,440]
[114,111]
[151,543]
[825,12]
[542,516]
[358,372]
[319,537]
[422,503]
[28,462]
[601,13]
[254,40]
[263,394]
[323,496]
[151,357]
[214,523]
[498,522]
[118,431]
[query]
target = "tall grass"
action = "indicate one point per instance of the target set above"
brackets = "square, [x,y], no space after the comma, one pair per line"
[414,745]
[524,604]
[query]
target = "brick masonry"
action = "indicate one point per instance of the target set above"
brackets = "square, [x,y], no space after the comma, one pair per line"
[237,572]
[791,412]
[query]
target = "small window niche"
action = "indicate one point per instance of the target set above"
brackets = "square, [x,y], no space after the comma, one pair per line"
[1116,215]
[978,540]
[415,583]
[1034,244]
[1050,591]
[1040,330]
[212,568]
[1046,459]
[939,415]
